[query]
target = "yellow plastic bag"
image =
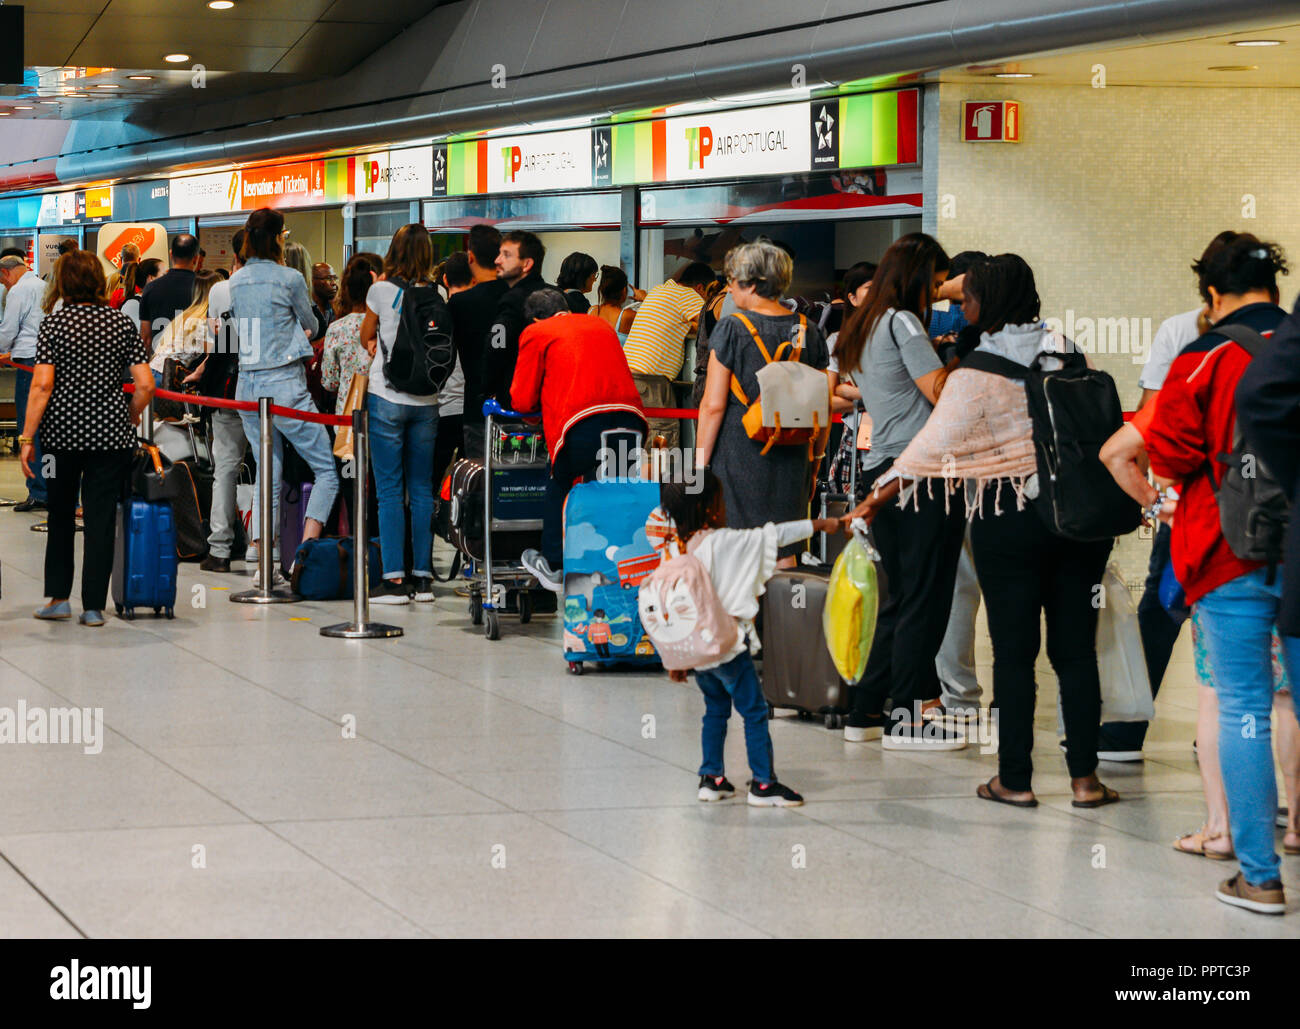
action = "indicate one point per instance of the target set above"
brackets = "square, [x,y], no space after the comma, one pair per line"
[852,603]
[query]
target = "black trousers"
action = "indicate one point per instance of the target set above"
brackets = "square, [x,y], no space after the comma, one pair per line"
[579,459]
[919,547]
[99,477]
[446,444]
[1025,572]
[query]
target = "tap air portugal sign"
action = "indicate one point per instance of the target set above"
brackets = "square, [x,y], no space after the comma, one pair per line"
[739,144]
[547,160]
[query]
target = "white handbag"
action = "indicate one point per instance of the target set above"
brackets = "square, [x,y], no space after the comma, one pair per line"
[1121,662]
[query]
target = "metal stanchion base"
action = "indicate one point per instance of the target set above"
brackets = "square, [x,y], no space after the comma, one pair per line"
[368,631]
[261,596]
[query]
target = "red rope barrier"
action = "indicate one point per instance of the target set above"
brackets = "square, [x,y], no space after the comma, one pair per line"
[341,420]
[233,405]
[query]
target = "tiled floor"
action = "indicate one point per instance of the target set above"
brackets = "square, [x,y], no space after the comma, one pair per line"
[486,792]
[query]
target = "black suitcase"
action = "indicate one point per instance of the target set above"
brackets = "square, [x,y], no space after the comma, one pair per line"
[191,509]
[797,668]
[465,522]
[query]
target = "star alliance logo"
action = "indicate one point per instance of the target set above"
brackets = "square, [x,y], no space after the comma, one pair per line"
[439,166]
[824,126]
[601,152]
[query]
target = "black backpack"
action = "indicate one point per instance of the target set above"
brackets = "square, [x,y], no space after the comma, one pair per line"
[1074,410]
[423,355]
[1253,507]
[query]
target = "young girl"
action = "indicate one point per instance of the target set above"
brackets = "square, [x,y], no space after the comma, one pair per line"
[738,562]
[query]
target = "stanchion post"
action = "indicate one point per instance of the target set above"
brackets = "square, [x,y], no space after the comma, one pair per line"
[146,422]
[361,627]
[263,591]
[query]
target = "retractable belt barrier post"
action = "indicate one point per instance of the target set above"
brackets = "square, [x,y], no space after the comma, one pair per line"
[361,627]
[264,592]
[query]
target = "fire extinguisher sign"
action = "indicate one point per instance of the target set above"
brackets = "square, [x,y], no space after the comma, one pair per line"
[990,121]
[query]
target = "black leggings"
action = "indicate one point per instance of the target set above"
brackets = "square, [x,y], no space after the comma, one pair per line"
[919,546]
[1026,572]
[99,476]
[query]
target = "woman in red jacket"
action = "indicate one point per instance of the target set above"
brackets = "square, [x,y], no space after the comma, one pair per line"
[571,367]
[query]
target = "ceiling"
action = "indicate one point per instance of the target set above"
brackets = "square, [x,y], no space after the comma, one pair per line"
[1185,62]
[83,53]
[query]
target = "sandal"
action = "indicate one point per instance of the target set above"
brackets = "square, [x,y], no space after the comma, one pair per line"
[985,791]
[1108,796]
[1198,849]
[1290,848]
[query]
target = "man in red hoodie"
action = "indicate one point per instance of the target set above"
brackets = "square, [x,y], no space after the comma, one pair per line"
[1189,442]
[572,367]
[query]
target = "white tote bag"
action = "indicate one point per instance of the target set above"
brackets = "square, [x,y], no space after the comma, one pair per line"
[1125,686]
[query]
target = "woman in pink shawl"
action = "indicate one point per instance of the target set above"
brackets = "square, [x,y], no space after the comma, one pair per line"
[978,448]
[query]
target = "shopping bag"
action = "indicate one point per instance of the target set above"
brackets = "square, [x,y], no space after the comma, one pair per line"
[852,603]
[355,398]
[1125,686]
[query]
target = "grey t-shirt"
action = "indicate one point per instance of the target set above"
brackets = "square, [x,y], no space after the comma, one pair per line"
[897,352]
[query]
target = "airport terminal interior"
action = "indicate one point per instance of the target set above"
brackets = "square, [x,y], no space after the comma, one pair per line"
[471,751]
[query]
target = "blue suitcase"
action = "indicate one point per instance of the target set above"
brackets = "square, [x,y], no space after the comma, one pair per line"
[606,555]
[144,560]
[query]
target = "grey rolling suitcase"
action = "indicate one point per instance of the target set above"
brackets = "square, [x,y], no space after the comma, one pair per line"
[797,668]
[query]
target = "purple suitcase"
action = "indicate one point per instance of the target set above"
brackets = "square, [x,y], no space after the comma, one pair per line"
[293,517]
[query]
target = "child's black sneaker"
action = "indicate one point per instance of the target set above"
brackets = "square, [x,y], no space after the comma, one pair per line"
[715,787]
[773,794]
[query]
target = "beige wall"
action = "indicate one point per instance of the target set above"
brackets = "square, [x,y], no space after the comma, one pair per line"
[1114,192]
[1111,196]
[321,232]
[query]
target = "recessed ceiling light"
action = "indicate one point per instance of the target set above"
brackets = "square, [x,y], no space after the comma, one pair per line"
[4,114]
[21,107]
[1235,67]
[1014,75]
[109,85]
[176,58]
[1257,42]
[140,78]
[221,5]
[54,102]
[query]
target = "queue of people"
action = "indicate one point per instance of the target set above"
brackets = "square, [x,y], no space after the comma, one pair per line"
[943,442]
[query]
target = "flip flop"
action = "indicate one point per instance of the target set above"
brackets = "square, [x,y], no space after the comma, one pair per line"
[1200,850]
[1108,796]
[985,792]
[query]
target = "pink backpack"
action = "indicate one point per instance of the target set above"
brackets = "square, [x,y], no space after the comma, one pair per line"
[681,613]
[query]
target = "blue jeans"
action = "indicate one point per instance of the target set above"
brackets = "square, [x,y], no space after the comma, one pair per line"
[22,387]
[287,387]
[735,683]
[1238,620]
[401,452]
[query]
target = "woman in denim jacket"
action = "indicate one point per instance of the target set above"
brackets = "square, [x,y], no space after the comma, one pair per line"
[273,316]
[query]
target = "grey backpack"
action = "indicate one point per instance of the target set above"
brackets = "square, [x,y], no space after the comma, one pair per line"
[1253,507]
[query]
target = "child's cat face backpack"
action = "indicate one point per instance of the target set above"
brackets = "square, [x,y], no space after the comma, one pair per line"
[681,613]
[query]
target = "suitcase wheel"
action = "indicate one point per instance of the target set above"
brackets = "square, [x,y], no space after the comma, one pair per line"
[492,628]
[157,611]
[120,608]
[525,607]
[834,721]
[771,712]
[171,613]
[805,716]
[575,667]
[476,607]
[130,614]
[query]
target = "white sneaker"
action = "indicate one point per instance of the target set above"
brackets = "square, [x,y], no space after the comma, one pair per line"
[542,571]
[933,735]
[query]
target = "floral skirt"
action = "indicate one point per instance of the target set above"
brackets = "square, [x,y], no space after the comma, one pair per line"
[1201,656]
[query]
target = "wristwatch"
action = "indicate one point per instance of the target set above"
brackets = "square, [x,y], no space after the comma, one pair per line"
[24,440]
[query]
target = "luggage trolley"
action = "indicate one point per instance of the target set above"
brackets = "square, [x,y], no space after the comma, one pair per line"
[514,494]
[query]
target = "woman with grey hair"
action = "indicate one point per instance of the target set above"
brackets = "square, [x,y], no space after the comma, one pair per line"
[759,487]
